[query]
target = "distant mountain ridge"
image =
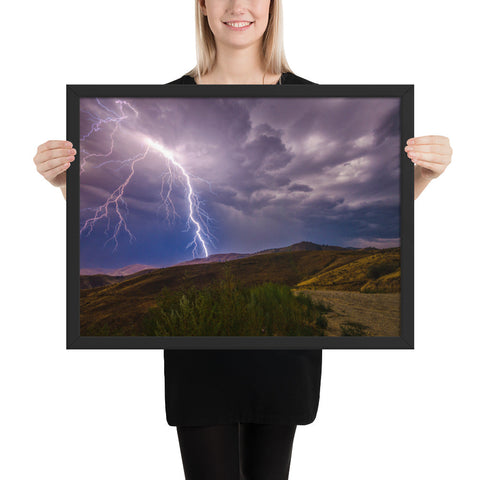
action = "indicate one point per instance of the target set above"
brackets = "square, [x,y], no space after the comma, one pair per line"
[117,272]
[304,247]
[132,270]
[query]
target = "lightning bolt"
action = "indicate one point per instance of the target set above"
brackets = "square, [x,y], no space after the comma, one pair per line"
[193,203]
[116,204]
[97,123]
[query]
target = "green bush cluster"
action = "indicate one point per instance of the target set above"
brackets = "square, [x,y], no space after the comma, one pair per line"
[229,308]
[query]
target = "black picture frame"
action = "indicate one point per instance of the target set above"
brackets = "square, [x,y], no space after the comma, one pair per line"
[405,340]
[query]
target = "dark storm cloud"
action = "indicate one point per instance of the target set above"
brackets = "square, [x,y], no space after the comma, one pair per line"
[297,187]
[266,152]
[268,171]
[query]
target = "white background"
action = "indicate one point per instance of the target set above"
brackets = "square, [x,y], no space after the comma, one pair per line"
[100,414]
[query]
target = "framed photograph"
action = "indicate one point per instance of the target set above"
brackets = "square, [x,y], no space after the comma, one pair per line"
[240,217]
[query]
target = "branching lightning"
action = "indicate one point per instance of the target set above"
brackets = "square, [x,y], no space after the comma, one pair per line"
[116,205]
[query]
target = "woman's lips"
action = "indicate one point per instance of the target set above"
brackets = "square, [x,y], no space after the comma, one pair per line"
[238,29]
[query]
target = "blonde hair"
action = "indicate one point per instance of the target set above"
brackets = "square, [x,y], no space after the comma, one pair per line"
[272,47]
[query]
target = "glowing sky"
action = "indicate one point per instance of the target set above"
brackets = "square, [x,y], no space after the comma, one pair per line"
[269,172]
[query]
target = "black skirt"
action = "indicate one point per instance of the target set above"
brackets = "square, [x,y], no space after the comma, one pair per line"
[209,387]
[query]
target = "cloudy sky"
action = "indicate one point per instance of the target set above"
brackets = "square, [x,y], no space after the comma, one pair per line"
[256,173]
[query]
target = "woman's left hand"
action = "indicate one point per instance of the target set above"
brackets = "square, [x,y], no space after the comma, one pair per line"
[432,153]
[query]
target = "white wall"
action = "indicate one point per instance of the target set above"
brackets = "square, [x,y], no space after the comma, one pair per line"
[100,414]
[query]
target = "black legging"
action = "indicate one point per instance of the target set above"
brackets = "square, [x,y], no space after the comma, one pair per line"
[239,451]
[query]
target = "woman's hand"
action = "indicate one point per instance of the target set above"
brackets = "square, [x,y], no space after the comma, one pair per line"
[52,160]
[432,154]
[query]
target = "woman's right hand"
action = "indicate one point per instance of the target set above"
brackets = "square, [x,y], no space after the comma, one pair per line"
[52,160]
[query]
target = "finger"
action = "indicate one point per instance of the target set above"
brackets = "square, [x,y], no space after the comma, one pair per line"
[56,153]
[430,166]
[48,165]
[435,148]
[54,144]
[51,174]
[439,139]
[429,157]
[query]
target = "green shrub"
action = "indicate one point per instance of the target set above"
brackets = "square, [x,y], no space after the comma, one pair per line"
[228,308]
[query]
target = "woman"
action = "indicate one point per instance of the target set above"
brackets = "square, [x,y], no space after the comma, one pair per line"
[236,411]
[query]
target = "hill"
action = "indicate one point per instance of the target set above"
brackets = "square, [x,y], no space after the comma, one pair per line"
[120,306]
[90,278]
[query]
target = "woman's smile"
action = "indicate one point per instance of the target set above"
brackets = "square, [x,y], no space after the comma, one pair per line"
[238,26]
